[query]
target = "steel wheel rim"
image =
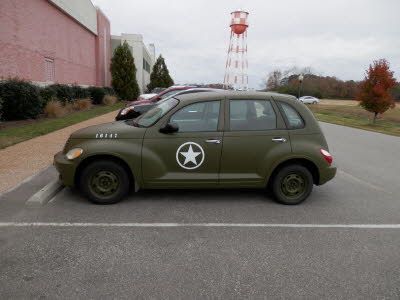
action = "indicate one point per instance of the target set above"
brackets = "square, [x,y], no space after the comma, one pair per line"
[104,183]
[294,185]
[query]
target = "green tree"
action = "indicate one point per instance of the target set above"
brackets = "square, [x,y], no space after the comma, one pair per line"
[123,73]
[159,76]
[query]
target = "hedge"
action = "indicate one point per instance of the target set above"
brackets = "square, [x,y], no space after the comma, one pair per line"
[21,100]
[24,100]
[96,94]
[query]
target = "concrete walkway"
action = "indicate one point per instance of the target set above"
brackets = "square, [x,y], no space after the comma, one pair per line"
[22,160]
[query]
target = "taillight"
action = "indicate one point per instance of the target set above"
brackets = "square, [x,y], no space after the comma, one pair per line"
[328,157]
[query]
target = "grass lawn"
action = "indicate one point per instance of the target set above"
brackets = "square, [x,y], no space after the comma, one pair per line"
[357,117]
[16,135]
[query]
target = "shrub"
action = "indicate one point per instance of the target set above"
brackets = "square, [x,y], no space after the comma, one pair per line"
[96,94]
[55,109]
[1,107]
[64,92]
[21,100]
[48,94]
[109,91]
[79,92]
[110,100]
[82,104]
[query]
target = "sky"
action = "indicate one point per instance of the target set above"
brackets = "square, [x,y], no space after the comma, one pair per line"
[334,37]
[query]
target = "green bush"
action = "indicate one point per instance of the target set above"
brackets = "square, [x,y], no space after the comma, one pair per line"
[96,94]
[48,94]
[1,108]
[109,91]
[79,92]
[64,92]
[21,100]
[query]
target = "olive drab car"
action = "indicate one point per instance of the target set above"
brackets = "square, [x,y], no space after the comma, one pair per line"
[207,140]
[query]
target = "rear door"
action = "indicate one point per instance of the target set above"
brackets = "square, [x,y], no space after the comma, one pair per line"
[255,137]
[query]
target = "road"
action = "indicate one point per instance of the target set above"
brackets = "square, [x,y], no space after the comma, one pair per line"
[343,242]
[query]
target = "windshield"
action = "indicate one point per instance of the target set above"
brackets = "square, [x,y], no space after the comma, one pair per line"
[156,113]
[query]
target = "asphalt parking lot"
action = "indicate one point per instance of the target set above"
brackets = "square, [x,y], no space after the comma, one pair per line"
[343,242]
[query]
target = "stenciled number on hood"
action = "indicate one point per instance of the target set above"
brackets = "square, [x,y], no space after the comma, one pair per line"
[106,135]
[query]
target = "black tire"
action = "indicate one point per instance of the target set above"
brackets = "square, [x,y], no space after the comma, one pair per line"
[292,184]
[104,182]
[315,102]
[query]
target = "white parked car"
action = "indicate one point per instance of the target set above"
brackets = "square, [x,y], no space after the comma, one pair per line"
[309,100]
[145,96]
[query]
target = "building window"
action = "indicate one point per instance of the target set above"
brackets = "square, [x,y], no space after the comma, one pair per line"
[49,69]
[146,66]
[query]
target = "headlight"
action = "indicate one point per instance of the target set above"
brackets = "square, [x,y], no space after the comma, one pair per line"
[74,153]
[126,110]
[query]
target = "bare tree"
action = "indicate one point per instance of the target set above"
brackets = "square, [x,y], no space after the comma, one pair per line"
[273,80]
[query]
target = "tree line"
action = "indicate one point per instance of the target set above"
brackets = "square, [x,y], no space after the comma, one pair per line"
[325,87]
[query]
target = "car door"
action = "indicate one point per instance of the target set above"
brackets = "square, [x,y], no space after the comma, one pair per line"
[190,157]
[255,138]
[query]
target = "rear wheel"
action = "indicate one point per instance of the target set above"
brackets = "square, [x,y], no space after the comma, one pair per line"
[292,184]
[104,182]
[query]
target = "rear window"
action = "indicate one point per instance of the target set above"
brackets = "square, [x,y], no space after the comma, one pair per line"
[251,115]
[292,116]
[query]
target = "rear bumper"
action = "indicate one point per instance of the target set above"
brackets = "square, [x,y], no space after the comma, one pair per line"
[327,174]
[66,169]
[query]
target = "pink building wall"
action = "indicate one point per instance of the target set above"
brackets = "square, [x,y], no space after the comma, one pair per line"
[32,31]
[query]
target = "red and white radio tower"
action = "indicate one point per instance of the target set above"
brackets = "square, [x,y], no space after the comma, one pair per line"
[236,62]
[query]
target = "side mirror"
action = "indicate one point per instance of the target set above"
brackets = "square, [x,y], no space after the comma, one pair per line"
[169,128]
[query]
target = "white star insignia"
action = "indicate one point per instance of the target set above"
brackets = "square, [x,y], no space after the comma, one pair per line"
[190,155]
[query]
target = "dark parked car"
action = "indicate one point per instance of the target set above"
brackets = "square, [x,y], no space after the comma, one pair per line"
[202,141]
[162,95]
[133,111]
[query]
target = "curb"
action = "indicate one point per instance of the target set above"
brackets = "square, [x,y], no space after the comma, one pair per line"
[43,196]
[28,179]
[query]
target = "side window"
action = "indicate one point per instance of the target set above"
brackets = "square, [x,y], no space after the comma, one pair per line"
[293,117]
[202,116]
[251,115]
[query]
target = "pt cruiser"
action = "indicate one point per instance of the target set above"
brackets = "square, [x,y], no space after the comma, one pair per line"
[208,140]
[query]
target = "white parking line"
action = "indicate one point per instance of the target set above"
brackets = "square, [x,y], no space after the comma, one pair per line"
[163,225]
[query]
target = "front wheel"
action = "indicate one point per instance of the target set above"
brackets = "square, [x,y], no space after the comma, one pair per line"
[104,182]
[315,102]
[292,185]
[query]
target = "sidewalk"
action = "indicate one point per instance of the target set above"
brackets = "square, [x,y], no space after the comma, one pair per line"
[22,160]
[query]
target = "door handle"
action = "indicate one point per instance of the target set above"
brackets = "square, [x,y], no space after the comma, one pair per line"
[279,140]
[213,141]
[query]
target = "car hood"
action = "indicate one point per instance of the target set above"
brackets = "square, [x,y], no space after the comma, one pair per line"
[114,130]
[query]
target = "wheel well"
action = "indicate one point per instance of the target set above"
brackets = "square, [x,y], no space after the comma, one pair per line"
[297,161]
[90,159]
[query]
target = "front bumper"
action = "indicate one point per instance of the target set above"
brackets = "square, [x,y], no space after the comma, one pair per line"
[66,168]
[327,174]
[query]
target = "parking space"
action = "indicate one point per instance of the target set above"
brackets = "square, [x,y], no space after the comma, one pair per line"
[341,243]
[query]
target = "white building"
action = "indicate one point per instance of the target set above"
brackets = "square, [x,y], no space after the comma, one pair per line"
[144,56]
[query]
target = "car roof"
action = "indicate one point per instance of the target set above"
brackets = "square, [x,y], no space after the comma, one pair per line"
[199,90]
[234,95]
